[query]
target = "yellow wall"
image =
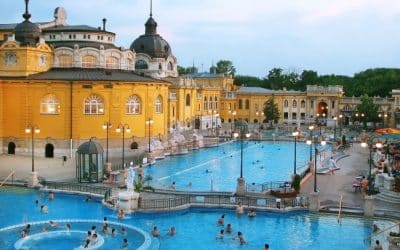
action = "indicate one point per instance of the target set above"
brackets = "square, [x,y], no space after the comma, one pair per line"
[21,101]
[28,59]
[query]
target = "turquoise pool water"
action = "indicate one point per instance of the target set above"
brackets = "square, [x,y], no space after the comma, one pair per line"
[218,168]
[196,228]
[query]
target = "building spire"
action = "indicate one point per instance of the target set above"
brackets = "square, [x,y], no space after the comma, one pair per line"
[26,15]
[151,8]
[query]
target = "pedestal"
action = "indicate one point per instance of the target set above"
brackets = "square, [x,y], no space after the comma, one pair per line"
[241,187]
[369,208]
[128,201]
[314,202]
[122,178]
[33,181]
[107,167]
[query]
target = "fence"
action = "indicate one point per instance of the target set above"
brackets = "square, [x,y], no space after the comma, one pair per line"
[77,187]
[221,200]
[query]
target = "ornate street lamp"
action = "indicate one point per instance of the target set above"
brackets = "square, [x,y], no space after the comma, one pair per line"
[124,128]
[149,122]
[378,145]
[315,142]
[340,125]
[106,126]
[243,132]
[295,134]
[311,128]
[334,128]
[33,129]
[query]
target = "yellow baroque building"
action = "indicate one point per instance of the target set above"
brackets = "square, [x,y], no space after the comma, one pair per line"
[73,84]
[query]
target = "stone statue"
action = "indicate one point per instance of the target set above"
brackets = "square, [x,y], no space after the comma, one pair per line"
[130,177]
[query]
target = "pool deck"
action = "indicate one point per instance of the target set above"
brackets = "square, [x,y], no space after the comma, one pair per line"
[329,186]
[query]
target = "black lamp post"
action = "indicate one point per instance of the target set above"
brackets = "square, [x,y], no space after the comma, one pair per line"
[32,130]
[106,126]
[311,128]
[295,134]
[378,145]
[310,142]
[334,128]
[242,133]
[340,125]
[123,128]
[149,122]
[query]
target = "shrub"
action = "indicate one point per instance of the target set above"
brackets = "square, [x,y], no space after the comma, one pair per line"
[296,182]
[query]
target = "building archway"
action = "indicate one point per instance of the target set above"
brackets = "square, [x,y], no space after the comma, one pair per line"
[49,150]
[322,108]
[197,123]
[11,148]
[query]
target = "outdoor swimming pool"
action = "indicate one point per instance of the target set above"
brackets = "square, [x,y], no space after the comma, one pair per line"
[196,228]
[218,168]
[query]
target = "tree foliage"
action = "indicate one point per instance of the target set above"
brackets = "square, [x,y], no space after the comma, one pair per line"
[368,108]
[225,67]
[373,82]
[271,110]
[250,81]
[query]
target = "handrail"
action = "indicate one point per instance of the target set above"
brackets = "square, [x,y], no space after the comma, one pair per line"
[340,207]
[77,187]
[4,181]
[381,231]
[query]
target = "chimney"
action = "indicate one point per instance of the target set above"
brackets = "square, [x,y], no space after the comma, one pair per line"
[104,24]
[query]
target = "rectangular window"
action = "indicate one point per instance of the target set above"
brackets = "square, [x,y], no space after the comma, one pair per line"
[294,116]
[312,104]
[333,104]
[303,116]
[285,115]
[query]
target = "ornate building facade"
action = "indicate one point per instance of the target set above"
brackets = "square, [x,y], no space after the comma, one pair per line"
[71,80]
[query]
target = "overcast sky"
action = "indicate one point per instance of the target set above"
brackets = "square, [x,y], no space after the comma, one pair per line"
[329,36]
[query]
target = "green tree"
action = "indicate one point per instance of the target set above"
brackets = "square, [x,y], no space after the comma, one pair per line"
[271,110]
[250,81]
[368,108]
[225,67]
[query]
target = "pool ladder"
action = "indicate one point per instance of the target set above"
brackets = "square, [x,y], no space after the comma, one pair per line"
[8,177]
[340,208]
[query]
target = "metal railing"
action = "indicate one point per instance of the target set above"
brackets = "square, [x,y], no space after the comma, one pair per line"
[77,187]
[222,201]
[8,177]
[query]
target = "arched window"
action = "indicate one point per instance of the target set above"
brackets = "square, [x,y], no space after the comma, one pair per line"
[133,105]
[159,66]
[64,61]
[286,103]
[158,105]
[294,105]
[94,105]
[187,100]
[112,62]
[141,64]
[170,66]
[247,103]
[303,104]
[89,61]
[210,103]
[49,150]
[205,103]
[215,102]
[240,104]
[49,105]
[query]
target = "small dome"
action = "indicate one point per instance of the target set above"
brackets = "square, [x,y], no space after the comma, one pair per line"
[26,32]
[90,147]
[151,43]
